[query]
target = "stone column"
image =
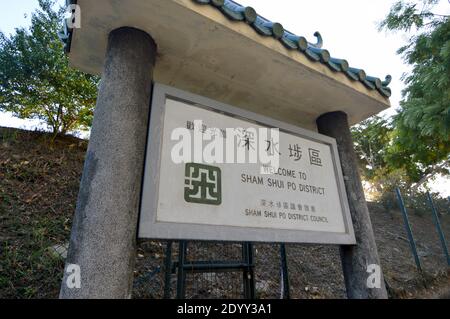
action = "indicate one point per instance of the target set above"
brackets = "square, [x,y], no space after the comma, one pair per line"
[355,259]
[104,230]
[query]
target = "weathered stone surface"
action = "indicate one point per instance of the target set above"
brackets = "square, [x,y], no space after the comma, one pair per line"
[355,259]
[104,229]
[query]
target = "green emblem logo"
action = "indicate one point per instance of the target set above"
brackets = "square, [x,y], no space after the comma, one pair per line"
[203,184]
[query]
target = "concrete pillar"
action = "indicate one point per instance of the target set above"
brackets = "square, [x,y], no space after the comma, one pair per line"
[355,259]
[103,235]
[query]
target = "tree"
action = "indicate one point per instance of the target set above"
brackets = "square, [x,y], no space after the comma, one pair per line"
[371,138]
[36,81]
[421,136]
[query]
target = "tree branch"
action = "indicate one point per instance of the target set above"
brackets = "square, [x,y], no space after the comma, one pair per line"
[435,169]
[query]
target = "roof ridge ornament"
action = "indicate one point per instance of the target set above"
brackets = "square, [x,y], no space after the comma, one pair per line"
[319,43]
[387,80]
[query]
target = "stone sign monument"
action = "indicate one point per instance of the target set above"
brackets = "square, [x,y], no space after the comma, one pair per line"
[302,199]
[243,73]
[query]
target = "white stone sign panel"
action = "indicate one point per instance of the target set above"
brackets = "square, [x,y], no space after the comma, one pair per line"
[298,198]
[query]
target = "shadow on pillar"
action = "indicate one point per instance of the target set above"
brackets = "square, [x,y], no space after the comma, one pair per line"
[355,259]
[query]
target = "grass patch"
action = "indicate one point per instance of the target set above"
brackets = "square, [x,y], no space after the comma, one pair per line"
[38,189]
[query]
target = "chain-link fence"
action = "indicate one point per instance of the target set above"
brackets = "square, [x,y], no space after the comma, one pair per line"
[158,278]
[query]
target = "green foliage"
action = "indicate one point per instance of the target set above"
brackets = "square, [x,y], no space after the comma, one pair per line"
[370,140]
[36,81]
[405,15]
[426,103]
[418,141]
[422,157]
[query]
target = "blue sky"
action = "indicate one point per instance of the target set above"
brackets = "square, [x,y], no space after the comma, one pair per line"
[349,29]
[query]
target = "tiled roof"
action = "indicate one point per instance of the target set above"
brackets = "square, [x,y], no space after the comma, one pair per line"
[291,41]
[65,35]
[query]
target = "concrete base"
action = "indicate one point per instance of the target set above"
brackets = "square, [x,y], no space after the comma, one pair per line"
[104,230]
[355,259]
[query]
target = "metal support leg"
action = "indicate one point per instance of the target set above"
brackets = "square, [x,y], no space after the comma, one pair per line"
[181,282]
[249,272]
[168,271]
[284,273]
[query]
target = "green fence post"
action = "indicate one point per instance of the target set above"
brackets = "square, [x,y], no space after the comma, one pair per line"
[438,227]
[412,243]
